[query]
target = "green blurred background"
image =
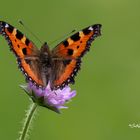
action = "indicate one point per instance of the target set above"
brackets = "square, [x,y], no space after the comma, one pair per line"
[108,86]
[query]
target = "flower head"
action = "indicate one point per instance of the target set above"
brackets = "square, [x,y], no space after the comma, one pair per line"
[52,99]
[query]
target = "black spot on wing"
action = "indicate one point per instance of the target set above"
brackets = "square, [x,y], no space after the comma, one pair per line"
[66,62]
[10,28]
[86,31]
[70,51]
[27,41]
[19,35]
[24,50]
[66,43]
[28,61]
[75,37]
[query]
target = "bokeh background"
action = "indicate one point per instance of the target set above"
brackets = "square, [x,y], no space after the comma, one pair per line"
[108,86]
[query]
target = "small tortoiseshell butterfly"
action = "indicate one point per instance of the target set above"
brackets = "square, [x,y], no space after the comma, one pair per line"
[57,66]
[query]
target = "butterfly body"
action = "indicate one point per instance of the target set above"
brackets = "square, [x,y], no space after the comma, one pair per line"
[58,66]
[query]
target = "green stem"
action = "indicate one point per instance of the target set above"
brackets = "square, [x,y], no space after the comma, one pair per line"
[27,122]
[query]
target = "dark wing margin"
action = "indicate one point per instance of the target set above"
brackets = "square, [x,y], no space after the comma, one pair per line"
[70,52]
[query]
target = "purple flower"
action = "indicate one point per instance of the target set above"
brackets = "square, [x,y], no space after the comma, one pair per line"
[52,99]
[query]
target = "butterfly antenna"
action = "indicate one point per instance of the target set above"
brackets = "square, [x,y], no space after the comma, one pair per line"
[29,31]
[52,42]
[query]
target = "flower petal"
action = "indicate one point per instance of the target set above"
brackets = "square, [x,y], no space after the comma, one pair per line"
[52,99]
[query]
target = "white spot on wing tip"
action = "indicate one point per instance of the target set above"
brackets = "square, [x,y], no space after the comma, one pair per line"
[6,25]
[90,28]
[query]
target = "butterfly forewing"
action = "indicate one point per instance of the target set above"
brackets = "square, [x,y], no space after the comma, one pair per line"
[26,52]
[69,52]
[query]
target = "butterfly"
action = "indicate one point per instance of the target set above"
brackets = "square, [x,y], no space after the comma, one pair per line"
[58,66]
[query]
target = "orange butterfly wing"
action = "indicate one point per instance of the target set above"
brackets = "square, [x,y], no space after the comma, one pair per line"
[22,47]
[70,52]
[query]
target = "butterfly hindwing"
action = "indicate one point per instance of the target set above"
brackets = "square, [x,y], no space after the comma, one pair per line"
[59,71]
[69,53]
[23,48]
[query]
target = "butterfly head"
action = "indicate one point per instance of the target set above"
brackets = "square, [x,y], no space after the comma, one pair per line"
[45,55]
